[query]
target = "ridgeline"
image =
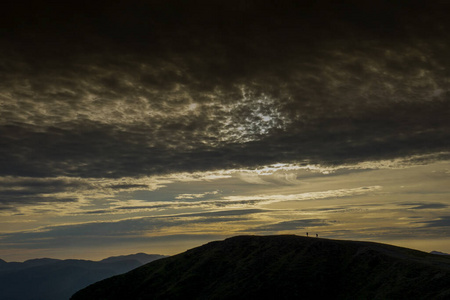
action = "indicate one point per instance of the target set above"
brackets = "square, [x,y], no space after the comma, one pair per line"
[55,279]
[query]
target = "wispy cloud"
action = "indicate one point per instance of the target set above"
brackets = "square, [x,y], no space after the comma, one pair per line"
[303,196]
[195,196]
[131,228]
[425,205]
[289,225]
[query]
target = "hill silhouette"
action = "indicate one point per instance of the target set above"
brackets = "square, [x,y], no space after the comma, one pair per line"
[283,267]
[54,279]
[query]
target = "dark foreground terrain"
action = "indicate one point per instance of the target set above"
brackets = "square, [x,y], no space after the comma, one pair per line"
[283,267]
[54,279]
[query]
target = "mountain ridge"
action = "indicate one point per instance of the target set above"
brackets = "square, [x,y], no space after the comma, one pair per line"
[56,279]
[283,267]
[141,257]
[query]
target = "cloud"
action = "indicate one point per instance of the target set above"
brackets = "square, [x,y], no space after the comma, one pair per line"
[443,221]
[129,186]
[16,192]
[33,192]
[234,212]
[123,230]
[235,201]
[211,189]
[302,196]
[425,205]
[195,196]
[151,91]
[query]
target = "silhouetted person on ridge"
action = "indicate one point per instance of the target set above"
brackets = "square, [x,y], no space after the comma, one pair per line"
[317,235]
[306,234]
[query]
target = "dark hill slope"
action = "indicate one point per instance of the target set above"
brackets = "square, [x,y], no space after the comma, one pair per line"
[283,267]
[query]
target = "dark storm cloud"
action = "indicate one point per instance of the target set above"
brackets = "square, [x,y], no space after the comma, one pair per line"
[45,186]
[128,186]
[142,88]
[19,198]
[15,192]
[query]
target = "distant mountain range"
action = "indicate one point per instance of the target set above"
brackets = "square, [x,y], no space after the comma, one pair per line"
[283,267]
[54,279]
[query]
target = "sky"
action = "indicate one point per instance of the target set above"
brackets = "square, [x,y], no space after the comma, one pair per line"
[158,126]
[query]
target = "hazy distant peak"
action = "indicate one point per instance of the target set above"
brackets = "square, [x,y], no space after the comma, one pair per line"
[41,260]
[439,253]
[55,279]
[143,258]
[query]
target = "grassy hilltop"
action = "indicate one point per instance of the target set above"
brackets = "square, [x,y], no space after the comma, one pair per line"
[283,267]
